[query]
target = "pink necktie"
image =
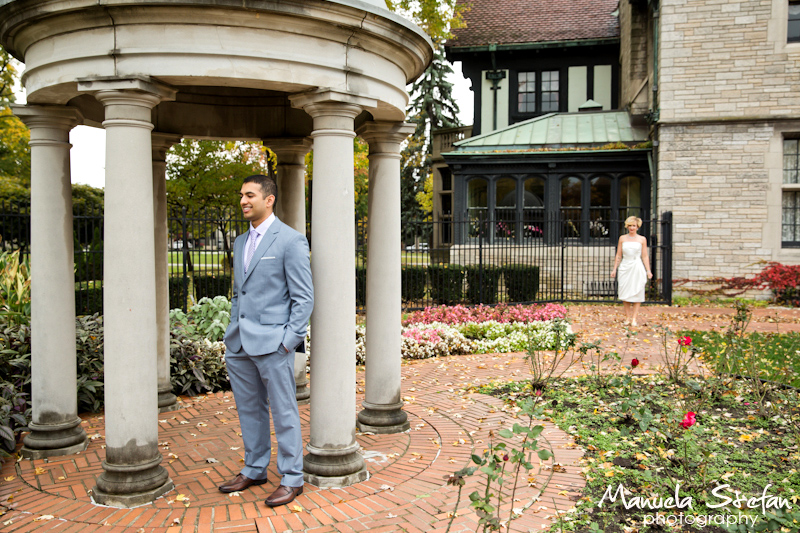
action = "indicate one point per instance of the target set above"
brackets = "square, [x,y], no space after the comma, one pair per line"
[250,250]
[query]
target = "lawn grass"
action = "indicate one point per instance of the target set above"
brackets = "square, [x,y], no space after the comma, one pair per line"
[729,445]
[776,353]
[712,301]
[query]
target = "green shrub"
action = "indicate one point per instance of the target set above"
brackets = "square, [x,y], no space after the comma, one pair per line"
[522,282]
[15,289]
[179,292]
[447,283]
[89,299]
[491,280]
[15,356]
[89,349]
[413,283]
[361,286]
[15,413]
[196,366]
[209,286]
[89,263]
[207,319]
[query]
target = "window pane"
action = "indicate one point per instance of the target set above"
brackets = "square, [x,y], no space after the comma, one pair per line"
[478,193]
[533,195]
[506,190]
[600,192]
[790,160]
[571,192]
[533,223]
[790,232]
[550,102]
[526,92]
[550,90]
[793,33]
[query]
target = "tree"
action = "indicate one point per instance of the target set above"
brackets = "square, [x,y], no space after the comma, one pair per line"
[207,175]
[432,107]
[15,154]
[360,175]
[436,17]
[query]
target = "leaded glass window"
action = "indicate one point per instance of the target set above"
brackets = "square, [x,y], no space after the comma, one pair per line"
[526,92]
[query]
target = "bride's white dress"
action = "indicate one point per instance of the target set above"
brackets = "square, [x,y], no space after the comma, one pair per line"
[631,275]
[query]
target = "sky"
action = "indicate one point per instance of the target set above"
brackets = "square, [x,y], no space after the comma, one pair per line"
[87,156]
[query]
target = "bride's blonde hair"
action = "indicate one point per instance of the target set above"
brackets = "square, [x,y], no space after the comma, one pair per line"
[633,220]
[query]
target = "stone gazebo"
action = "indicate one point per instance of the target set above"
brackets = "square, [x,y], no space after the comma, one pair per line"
[297,74]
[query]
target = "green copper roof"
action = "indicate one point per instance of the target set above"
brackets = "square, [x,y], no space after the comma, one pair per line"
[560,130]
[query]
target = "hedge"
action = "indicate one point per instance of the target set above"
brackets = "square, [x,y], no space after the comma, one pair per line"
[491,281]
[89,300]
[447,283]
[413,283]
[522,282]
[178,288]
[209,286]
[361,286]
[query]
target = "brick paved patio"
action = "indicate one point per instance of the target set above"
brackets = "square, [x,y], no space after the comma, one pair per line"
[406,490]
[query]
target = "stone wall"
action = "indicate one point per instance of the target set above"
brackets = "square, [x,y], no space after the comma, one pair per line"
[634,51]
[729,92]
[726,58]
[715,180]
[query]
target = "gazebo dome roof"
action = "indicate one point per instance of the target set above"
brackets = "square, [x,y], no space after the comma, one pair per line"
[230,66]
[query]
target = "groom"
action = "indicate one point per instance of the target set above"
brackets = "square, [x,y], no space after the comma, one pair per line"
[272,302]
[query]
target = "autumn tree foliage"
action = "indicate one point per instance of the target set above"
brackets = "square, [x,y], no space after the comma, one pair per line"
[432,106]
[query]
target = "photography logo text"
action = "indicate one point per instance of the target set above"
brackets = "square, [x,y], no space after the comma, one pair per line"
[718,500]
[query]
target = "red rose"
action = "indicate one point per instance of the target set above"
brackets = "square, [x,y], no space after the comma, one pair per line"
[634,362]
[684,341]
[689,420]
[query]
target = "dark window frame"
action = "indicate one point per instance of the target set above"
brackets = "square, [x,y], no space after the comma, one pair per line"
[552,200]
[793,192]
[538,74]
[793,22]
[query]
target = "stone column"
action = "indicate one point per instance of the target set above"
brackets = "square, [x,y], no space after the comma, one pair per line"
[161,143]
[333,459]
[291,209]
[55,428]
[383,408]
[132,474]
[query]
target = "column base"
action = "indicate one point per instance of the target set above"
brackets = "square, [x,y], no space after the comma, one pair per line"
[167,401]
[302,394]
[331,468]
[51,440]
[382,419]
[131,485]
[131,500]
[335,482]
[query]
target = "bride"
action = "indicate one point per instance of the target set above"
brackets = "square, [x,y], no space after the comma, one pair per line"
[633,262]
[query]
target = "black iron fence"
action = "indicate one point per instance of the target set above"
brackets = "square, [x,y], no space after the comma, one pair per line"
[475,261]
[556,258]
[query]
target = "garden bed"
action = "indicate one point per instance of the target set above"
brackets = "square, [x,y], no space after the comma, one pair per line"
[728,448]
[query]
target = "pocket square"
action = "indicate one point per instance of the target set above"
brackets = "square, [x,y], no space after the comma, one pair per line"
[263,258]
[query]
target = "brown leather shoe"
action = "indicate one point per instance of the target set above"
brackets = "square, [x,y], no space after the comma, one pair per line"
[283,495]
[240,482]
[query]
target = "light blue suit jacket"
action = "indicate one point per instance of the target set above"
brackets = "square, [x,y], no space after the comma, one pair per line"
[272,303]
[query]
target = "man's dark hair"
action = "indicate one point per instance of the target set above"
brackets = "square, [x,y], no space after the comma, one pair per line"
[267,184]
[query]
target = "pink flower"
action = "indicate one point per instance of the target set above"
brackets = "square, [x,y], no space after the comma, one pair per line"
[634,362]
[684,341]
[538,392]
[689,420]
